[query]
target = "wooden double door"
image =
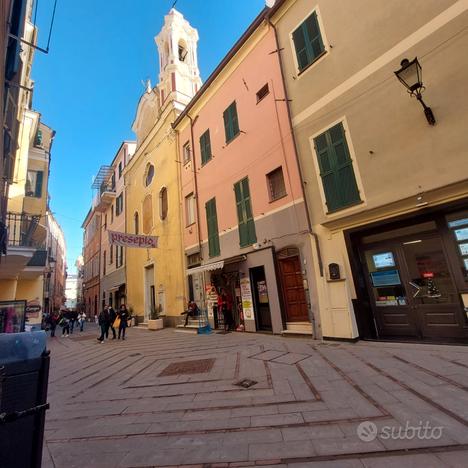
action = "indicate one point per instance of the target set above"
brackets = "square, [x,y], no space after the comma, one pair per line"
[412,289]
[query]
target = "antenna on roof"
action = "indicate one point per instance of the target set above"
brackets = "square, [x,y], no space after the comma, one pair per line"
[174,4]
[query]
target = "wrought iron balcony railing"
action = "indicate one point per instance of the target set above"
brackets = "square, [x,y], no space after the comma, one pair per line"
[22,230]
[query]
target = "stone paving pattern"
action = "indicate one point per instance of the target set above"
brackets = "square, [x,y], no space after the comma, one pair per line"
[171,399]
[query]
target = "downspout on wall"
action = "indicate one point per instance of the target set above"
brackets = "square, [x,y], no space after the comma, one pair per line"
[296,153]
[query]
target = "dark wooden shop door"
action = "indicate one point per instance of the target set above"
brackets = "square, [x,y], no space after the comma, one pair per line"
[293,289]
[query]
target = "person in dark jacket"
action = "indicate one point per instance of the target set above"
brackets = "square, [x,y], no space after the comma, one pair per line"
[112,317]
[104,322]
[124,316]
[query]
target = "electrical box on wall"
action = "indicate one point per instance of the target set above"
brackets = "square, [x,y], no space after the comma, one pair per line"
[334,271]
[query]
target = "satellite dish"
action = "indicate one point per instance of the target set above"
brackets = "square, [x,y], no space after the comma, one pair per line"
[270,3]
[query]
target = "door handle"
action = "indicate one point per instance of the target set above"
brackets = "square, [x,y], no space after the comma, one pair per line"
[418,288]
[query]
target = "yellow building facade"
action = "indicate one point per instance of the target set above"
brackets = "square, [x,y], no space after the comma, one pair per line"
[155,278]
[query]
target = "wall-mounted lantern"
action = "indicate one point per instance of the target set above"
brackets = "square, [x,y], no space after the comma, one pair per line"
[410,75]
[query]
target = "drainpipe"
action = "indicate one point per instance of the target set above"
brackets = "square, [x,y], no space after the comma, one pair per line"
[296,153]
[194,163]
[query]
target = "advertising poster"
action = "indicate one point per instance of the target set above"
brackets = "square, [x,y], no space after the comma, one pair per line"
[12,316]
[246,295]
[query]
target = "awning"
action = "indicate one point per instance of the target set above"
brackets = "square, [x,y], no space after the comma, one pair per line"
[207,267]
[115,287]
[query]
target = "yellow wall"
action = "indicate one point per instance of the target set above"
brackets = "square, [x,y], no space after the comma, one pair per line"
[160,149]
[7,289]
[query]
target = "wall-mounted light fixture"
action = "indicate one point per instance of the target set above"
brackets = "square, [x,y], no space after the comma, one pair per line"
[410,75]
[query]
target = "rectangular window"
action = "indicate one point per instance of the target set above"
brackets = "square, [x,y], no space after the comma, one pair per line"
[336,169]
[113,182]
[119,204]
[111,255]
[34,184]
[212,224]
[264,91]
[231,122]
[105,221]
[308,42]
[186,150]
[205,147]
[120,169]
[247,235]
[104,264]
[276,185]
[190,209]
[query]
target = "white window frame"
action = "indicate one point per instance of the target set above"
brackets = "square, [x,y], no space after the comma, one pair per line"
[357,174]
[298,73]
[190,199]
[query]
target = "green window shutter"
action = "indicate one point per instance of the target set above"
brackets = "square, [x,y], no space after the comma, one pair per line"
[336,169]
[39,179]
[247,234]
[308,41]
[231,122]
[205,147]
[212,224]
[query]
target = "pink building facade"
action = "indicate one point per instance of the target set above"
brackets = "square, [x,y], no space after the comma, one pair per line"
[245,224]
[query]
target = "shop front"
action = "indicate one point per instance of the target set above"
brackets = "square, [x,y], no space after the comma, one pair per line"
[411,277]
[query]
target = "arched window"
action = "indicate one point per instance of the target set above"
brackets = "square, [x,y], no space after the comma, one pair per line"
[149,174]
[147,214]
[182,50]
[163,206]
[136,222]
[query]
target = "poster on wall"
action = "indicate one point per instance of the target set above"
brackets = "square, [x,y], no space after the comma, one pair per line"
[246,295]
[262,292]
[211,299]
[12,316]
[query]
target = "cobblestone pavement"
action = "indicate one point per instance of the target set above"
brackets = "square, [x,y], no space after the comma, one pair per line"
[173,399]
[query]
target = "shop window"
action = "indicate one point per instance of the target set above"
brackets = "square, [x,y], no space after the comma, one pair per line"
[336,169]
[247,234]
[231,122]
[205,147]
[276,185]
[212,225]
[458,224]
[308,43]
[34,184]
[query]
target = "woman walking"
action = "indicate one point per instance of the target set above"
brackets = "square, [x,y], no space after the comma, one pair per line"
[123,315]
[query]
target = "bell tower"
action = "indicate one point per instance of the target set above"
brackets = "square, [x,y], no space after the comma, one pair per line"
[179,76]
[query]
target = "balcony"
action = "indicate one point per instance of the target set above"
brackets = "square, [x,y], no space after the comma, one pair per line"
[104,185]
[25,247]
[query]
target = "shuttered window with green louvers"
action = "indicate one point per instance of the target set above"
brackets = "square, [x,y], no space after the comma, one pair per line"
[205,147]
[212,224]
[247,234]
[308,42]
[336,169]
[231,122]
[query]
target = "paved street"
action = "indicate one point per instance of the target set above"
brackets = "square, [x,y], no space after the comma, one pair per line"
[172,399]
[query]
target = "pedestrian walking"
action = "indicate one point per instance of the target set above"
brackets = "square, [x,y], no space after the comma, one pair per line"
[123,315]
[52,322]
[112,317]
[103,320]
[81,320]
[226,308]
[73,317]
[64,322]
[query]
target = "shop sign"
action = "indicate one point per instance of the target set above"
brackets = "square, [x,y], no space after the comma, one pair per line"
[133,240]
[212,299]
[32,309]
[246,295]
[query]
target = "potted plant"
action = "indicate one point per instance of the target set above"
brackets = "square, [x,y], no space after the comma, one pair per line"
[155,322]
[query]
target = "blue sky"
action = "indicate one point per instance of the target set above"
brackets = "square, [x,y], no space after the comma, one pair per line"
[88,86]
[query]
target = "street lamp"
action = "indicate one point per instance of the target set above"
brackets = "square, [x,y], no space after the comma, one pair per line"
[410,75]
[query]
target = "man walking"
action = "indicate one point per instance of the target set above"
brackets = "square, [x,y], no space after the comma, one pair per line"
[103,320]
[112,317]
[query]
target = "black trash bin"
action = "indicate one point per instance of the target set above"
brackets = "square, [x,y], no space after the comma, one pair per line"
[24,374]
